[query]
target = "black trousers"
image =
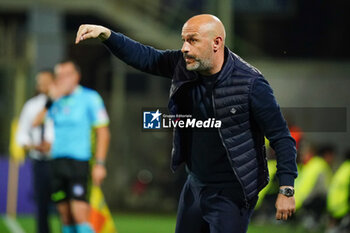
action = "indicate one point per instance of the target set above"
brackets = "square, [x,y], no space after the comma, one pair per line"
[212,210]
[42,193]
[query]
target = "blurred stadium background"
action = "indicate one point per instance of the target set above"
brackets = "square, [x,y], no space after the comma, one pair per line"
[301,47]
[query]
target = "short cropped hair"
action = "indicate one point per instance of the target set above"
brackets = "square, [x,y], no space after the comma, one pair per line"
[46,70]
[69,60]
[324,149]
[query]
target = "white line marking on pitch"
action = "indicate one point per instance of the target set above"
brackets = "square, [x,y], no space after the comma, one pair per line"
[13,225]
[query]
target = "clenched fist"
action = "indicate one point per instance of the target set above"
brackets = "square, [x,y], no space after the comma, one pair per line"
[87,31]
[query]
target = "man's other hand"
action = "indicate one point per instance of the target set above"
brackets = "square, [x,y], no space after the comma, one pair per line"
[285,207]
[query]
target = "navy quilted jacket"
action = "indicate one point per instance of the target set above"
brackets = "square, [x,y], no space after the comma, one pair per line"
[243,123]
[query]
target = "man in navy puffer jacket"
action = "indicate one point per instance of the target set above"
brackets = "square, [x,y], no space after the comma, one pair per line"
[226,166]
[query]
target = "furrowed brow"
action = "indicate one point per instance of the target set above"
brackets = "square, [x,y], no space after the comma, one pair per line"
[189,35]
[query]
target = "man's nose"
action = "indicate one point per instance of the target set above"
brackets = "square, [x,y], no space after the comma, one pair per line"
[185,48]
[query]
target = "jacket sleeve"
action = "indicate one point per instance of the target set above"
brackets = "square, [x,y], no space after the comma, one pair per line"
[142,57]
[267,114]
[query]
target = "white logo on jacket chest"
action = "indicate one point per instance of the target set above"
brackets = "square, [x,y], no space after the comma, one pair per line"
[233,110]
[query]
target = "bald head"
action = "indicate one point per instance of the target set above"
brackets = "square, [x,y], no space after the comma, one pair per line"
[206,24]
[204,44]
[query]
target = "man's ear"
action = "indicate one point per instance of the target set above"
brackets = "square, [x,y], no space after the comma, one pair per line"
[217,43]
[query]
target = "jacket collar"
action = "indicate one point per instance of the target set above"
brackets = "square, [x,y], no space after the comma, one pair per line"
[228,66]
[184,75]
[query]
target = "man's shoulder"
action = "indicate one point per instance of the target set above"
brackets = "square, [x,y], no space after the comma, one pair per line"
[176,58]
[176,53]
[244,67]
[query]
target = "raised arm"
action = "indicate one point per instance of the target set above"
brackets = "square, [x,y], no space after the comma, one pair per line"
[139,56]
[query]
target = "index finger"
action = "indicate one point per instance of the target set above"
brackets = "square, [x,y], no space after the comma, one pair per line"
[278,215]
[81,31]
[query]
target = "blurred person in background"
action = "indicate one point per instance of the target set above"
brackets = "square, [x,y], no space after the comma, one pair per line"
[313,183]
[264,208]
[37,140]
[76,111]
[227,166]
[338,199]
[298,135]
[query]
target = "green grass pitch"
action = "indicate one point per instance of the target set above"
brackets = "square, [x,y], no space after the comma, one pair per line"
[147,223]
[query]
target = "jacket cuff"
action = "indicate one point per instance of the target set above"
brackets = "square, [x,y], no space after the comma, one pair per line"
[286,180]
[114,41]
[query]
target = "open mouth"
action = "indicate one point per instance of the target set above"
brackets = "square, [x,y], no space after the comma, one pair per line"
[189,60]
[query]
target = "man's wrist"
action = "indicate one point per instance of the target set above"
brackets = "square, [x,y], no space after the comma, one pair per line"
[100,162]
[48,103]
[287,191]
[105,34]
[286,186]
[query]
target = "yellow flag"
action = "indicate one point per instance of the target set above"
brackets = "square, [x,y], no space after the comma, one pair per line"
[100,217]
[17,153]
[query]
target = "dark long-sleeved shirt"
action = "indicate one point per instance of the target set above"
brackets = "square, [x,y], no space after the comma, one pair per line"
[208,161]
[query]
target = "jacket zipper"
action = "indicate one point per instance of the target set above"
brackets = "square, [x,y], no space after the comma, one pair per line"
[228,155]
